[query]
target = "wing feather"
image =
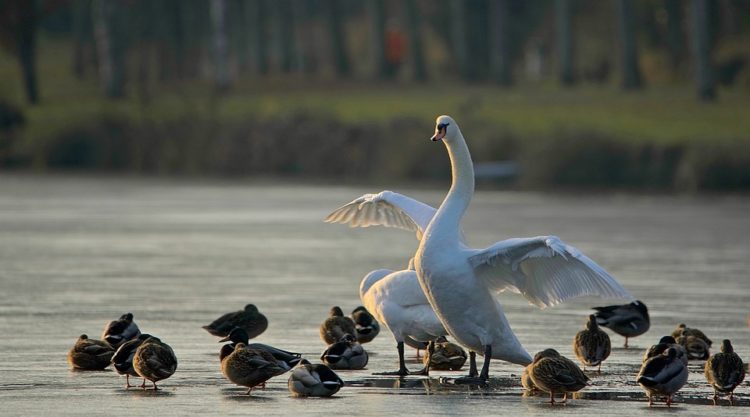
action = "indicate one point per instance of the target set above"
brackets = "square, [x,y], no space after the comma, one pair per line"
[545,270]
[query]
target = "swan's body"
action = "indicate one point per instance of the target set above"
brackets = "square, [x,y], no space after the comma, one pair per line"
[458,280]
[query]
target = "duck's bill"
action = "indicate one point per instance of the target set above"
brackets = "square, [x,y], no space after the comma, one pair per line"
[226,339]
[439,135]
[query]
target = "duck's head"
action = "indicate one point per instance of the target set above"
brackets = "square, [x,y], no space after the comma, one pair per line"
[726,346]
[638,305]
[546,353]
[336,312]
[671,353]
[251,308]
[667,340]
[446,129]
[127,317]
[83,337]
[237,335]
[304,362]
[239,346]
[360,308]
[592,324]
[347,338]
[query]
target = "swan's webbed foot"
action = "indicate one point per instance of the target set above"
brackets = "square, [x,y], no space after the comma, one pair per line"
[470,380]
[400,372]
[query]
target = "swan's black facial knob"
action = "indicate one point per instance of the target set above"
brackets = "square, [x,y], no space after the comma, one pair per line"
[440,132]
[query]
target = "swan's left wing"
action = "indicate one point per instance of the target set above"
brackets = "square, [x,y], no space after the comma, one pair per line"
[385,208]
[545,270]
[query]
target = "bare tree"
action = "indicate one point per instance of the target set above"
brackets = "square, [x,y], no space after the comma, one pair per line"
[220,44]
[675,39]
[110,46]
[414,26]
[500,56]
[563,24]
[338,41]
[458,37]
[701,40]
[631,74]
[376,14]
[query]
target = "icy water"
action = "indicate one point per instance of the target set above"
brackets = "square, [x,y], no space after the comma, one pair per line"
[78,252]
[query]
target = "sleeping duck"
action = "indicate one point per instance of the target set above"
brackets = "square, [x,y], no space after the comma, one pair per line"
[123,358]
[308,380]
[553,373]
[336,326]
[249,318]
[664,375]
[239,335]
[591,345]
[683,330]
[154,360]
[365,325]
[724,371]
[250,367]
[345,354]
[629,320]
[89,354]
[446,356]
[665,343]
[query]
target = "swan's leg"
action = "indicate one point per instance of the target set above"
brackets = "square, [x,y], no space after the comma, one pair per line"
[402,371]
[473,364]
[485,374]
[430,350]
[599,370]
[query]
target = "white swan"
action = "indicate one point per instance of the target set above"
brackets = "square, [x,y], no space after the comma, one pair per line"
[394,298]
[459,281]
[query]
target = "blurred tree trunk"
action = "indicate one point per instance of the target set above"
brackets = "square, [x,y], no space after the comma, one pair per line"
[704,78]
[414,26]
[220,46]
[238,34]
[144,14]
[257,19]
[284,25]
[563,27]
[675,42]
[305,36]
[81,22]
[26,40]
[110,45]
[500,57]
[631,75]
[338,41]
[376,13]
[458,38]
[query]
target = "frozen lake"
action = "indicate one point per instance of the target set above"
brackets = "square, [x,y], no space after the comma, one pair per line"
[78,252]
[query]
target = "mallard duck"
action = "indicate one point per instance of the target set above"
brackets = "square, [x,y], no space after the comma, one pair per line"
[446,356]
[336,326]
[308,380]
[154,360]
[365,325]
[724,371]
[629,320]
[250,367]
[119,331]
[89,354]
[591,345]
[682,329]
[239,335]
[554,373]
[696,347]
[123,357]
[250,319]
[664,375]
[665,343]
[345,354]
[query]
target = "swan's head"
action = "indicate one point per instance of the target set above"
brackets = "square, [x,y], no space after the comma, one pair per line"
[446,129]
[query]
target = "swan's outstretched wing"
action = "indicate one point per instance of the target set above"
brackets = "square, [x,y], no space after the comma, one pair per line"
[385,209]
[545,270]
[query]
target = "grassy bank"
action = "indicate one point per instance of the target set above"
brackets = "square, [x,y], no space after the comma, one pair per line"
[660,138]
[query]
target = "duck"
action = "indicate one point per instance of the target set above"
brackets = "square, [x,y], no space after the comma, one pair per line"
[365,325]
[696,347]
[445,356]
[154,360]
[308,380]
[123,357]
[249,318]
[665,343]
[345,354]
[336,326]
[90,354]
[119,331]
[682,329]
[460,282]
[724,371]
[629,320]
[250,367]
[664,375]
[526,381]
[553,373]
[283,358]
[394,297]
[591,345]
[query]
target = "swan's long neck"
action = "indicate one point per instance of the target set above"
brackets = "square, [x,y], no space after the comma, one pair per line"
[448,217]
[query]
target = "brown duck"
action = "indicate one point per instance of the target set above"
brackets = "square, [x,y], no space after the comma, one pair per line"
[154,360]
[724,371]
[89,354]
[591,345]
[250,367]
[249,319]
[336,326]
[553,373]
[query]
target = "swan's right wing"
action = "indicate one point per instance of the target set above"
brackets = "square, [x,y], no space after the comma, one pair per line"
[545,270]
[387,209]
